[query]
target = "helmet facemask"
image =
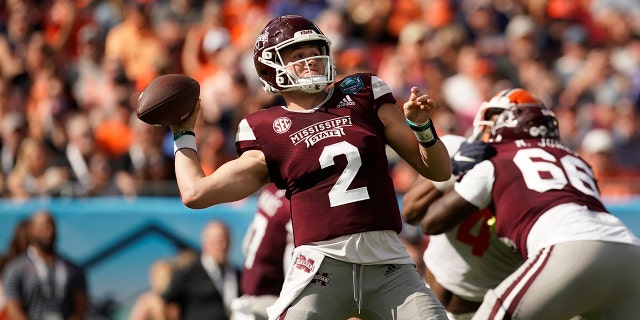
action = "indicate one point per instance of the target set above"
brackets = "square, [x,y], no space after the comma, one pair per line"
[484,115]
[287,80]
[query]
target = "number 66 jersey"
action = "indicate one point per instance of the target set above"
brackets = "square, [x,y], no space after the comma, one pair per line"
[535,186]
[331,160]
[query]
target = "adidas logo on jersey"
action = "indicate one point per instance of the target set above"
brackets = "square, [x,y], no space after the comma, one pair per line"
[346,101]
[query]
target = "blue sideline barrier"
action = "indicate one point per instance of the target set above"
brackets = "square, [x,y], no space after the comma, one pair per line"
[116,240]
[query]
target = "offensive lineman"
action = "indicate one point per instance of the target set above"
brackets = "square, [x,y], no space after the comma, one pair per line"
[580,259]
[466,261]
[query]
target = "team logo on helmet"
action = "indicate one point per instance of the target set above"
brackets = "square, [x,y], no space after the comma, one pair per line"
[261,42]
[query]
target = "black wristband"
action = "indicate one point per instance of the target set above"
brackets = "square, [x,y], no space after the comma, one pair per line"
[431,142]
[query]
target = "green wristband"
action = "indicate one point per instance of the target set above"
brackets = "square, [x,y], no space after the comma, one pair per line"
[418,127]
[183,132]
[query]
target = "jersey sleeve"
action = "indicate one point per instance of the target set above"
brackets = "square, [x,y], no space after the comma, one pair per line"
[477,184]
[381,91]
[245,138]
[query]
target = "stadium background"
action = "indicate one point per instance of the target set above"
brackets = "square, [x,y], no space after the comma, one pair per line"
[117,240]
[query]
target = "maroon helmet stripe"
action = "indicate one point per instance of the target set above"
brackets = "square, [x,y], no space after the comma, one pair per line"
[511,298]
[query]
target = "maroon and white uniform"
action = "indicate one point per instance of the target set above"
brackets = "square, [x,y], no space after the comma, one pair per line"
[317,157]
[267,247]
[547,205]
[267,244]
[337,210]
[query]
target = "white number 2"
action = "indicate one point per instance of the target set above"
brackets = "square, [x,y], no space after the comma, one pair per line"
[339,194]
[546,175]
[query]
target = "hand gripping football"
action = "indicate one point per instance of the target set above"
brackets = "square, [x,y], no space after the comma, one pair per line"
[168,99]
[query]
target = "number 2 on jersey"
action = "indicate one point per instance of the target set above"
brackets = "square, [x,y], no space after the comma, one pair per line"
[339,194]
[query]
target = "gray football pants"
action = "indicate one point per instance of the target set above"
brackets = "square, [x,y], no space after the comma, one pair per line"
[341,290]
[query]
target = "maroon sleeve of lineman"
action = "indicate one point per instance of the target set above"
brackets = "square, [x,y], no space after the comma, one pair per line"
[265,244]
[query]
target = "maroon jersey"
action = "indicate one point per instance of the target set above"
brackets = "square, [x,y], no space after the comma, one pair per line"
[265,244]
[331,160]
[533,176]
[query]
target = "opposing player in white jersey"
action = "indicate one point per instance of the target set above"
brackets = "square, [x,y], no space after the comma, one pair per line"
[327,148]
[466,261]
[580,259]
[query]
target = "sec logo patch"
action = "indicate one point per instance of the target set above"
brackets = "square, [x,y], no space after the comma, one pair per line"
[281,125]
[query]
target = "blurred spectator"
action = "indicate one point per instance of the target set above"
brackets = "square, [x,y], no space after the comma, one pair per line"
[35,174]
[205,288]
[243,19]
[305,8]
[625,129]
[17,246]
[402,13]
[485,27]
[13,129]
[211,141]
[202,42]
[149,305]
[40,283]
[60,22]
[92,82]
[135,45]
[113,135]
[223,91]
[267,248]
[49,100]
[369,19]
[144,169]
[573,51]
[171,20]
[19,25]
[471,70]
[80,148]
[598,151]
[403,66]
[107,14]
[350,54]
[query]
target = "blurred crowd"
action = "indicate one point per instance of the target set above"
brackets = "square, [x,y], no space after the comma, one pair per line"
[71,72]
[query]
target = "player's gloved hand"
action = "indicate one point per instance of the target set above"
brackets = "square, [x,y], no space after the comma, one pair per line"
[470,154]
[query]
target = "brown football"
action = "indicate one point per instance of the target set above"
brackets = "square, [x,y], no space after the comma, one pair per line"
[168,99]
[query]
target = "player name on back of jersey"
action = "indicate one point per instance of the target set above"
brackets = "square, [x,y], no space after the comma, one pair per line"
[321,130]
[543,143]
